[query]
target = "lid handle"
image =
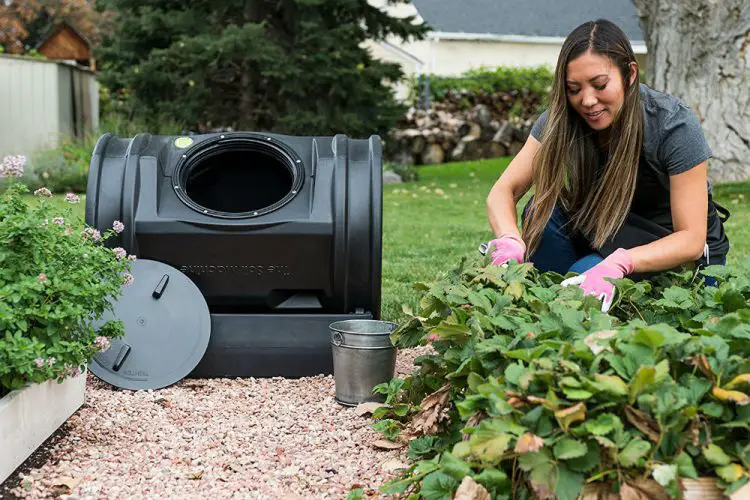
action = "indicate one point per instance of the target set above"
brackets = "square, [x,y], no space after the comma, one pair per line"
[121,357]
[159,290]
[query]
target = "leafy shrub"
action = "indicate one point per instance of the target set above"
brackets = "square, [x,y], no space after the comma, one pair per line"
[408,173]
[56,281]
[533,392]
[536,80]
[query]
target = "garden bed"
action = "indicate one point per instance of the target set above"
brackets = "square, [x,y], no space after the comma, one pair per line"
[30,415]
[214,438]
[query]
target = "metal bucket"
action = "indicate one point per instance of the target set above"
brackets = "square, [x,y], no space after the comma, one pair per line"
[363,357]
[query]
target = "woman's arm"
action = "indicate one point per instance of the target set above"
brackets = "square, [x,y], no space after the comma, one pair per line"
[689,203]
[509,188]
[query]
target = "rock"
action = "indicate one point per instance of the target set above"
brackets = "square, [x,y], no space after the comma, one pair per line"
[391,177]
[504,135]
[433,154]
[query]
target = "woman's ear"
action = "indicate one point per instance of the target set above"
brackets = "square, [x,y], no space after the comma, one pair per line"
[633,72]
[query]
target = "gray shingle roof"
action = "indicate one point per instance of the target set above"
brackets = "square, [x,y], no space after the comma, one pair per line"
[554,18]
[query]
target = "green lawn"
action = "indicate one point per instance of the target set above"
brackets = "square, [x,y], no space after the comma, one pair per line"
[430,224]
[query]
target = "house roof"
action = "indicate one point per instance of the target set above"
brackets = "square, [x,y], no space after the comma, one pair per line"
[534,18]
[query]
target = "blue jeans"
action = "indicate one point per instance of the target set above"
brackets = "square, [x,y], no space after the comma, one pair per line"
[562,253]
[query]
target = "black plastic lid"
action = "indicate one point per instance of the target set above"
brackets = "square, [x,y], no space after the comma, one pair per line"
[167,328]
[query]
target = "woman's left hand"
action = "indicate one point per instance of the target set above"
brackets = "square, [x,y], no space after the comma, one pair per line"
[618,265]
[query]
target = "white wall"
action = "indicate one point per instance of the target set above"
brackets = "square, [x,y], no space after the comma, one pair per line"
[29,104]
[37,105]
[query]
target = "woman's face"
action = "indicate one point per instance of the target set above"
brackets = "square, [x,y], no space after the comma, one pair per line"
[595,89]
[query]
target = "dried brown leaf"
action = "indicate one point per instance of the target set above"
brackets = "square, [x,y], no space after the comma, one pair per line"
[471,490]
[365,408]
[529,443]
[570,415]
[196,475]
[642,422]
[648,489]
[69,482]
[473,421]
[393,464]
[738,397]
[701,362]
[433,410]
[385,444]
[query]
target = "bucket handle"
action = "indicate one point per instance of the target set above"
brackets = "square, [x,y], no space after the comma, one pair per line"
[337,339]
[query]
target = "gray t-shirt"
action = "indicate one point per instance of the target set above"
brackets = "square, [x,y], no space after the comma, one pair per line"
[673,143]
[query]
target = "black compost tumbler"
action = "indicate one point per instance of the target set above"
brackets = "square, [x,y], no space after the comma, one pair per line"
[281,235]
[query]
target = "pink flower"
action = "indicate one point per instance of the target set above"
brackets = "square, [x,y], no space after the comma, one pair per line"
[102,343]
[72,371]
[118,226]
[42,278]
[127,278]
[72,198]
[92,233]
[120,253]
[58,220]
[43,192]
[12,166]
[39,362]
[131,257]
[433,337]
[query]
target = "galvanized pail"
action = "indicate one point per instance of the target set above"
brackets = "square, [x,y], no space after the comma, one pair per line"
[363,357]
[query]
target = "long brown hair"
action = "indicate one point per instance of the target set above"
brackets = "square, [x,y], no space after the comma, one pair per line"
[565,165]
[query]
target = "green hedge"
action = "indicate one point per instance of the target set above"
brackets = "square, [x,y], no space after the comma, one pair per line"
[484,80]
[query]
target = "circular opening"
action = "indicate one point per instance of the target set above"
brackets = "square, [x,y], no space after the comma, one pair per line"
[237,179]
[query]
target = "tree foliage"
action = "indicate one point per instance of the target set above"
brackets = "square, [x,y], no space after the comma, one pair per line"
[291,66]
[24,24]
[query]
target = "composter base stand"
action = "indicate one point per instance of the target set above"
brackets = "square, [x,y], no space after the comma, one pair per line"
[269,345]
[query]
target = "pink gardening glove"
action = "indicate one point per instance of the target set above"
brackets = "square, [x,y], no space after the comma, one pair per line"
[507,247]
[616,266]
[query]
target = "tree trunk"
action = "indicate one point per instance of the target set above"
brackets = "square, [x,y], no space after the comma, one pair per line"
[699,51]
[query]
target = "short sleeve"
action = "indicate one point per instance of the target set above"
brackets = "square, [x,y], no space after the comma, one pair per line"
[538,127]
[683,144]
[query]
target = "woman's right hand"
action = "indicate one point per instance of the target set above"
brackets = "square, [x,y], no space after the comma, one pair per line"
[506,248]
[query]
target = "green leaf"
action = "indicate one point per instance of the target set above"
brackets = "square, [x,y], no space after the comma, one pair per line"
[489,443]
[730,473]
[588,462]
[569,484]
[577,394]
[514,372]
[643,378]
[732,300]
[454,467]
[603,425]
[712,409]
[526,354]
[451,332]
[611,384]
[566,449]
[494,480]
[664,474]
[635,450]
[438,486]
[530,461]
[685,466]
[715,455]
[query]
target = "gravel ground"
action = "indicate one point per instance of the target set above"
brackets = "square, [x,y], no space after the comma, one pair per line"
[216,438]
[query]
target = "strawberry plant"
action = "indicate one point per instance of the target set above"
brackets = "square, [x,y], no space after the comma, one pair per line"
[533,392]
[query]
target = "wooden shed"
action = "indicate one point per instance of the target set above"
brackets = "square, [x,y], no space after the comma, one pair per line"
[66,43]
